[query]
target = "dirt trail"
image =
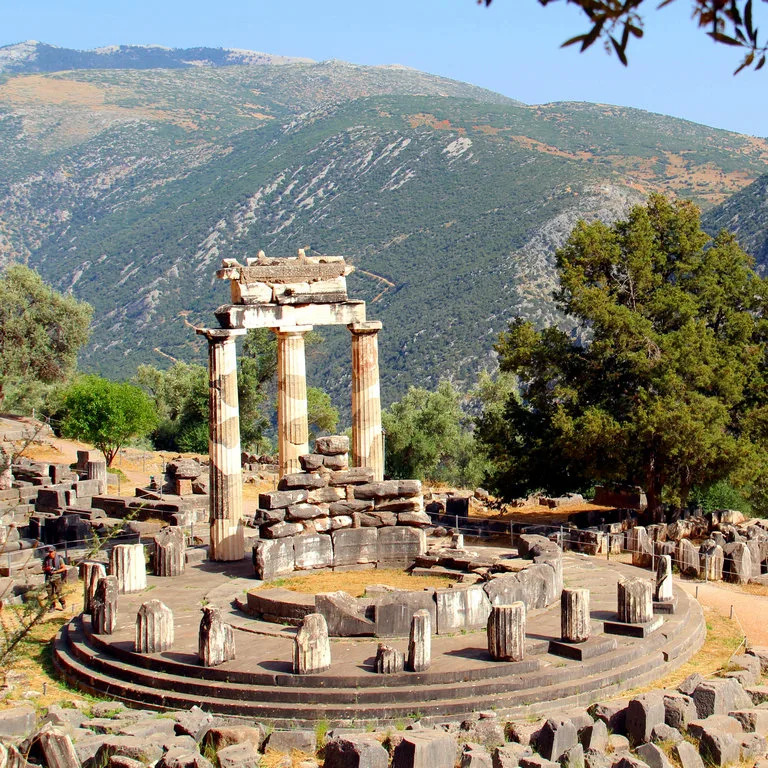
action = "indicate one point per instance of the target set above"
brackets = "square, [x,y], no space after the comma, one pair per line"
[751,611]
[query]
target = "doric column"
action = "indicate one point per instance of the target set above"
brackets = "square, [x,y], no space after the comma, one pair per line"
[292,428]
[367,442]
[226,482]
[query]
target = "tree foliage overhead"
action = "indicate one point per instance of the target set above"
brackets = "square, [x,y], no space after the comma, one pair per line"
[729,22]
[668,390]
[106,413]
[41,330]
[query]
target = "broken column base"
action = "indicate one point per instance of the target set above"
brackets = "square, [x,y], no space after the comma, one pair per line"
[594,646]
[632,630]
[665,607]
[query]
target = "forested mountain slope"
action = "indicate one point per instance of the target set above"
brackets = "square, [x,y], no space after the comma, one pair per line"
[130,185]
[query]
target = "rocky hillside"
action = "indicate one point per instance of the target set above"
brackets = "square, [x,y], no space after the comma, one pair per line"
[128,186]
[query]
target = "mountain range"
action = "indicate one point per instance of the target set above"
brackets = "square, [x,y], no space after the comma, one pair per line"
[128,173]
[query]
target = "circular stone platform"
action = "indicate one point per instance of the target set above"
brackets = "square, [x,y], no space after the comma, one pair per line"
[463,678]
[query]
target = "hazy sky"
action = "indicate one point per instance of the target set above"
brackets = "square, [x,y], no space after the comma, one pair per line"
[511,47]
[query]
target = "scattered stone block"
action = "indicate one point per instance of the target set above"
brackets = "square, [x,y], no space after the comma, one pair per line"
[355,751]
[425,749]
[287,741]
[664,589]
[17,722]
[400,545]
[332,445]
[641,547]
[509,755]
[653,756]
[719,748]
[687,558]
[220,736]
[312,551]
[555,737]
[216,639]
[183,757]
[573,757]
[311,647]
[643,714]
[628,761]
[679,710]
[536,761]
[343,615]
[711,560]
[273,558]
[612,713]
[238,756]
[154,627]
[737,566]
[718,697]
[393,611]
[477,756]
[595,737]
[687,755]
[389,660]
[752,720]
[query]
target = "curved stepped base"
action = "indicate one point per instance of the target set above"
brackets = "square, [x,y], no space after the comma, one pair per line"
[462,681]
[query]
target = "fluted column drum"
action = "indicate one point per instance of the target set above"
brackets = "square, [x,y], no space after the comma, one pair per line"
[574,615]
[292,427]
[635,597]
[367,438]
[226,482]
[127,563]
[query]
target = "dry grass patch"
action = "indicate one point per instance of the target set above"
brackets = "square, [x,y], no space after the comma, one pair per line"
[273,759]
[724,637]
[355,583]
[34,679]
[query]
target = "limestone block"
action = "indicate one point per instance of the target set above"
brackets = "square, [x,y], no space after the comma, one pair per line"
[312,551]
[374,519]
[154,627]
[504,590]
[426,749]
[90,573]
[288,741]
[687,558]
[352,476]
[216,639]
[355,751]
[184,469]
[679,710]
[461,608]
[170,551]
[509,755]
[220,736]
[477,756]
[393,611]
[327,495]
[353,546]
[301,512]
[242,755]
[506,632]
[311,648]
[336,463]
[282,499]
[644,712]
[340,521]
[281,530]
[273,558]
[126,562]
[332,445]
[540,585]
[653,756]
[575,622]
[389,660]
[17,722]
[96,469]
[343,615]
[301,481]
[635,600]
[55,748]
[311,462]
[104,606]
[420,642]
[400,545]
[664,587]
[417,518]
[738,563]
[595,736]
[718,697]
[349,507]
[687,755]
[719,749]
[555,738]
[388,489]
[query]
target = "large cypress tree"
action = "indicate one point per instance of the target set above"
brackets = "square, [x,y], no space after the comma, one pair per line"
[664,386]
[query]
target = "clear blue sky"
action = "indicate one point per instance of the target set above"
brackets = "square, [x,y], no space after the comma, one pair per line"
[511,47]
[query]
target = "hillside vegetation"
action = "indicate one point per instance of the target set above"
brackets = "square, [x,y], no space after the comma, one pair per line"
[128,186]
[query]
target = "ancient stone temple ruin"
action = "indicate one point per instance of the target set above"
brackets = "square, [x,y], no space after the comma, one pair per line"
[289,296]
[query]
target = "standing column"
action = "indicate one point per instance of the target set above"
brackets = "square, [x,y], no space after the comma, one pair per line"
[292,427]
[367,438]
[226,482]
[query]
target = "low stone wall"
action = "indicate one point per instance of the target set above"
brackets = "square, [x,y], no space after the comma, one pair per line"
[536,579]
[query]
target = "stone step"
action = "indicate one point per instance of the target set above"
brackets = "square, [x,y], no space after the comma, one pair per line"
[144,687]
